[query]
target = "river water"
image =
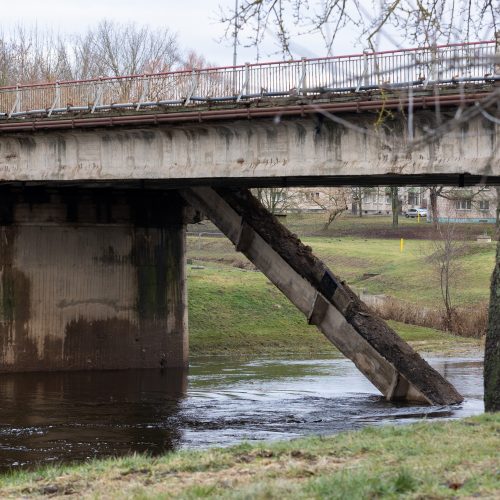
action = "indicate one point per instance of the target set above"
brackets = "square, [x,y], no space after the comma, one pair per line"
[63,417]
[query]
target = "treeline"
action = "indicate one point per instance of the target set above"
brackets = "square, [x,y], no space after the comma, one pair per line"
[32,55]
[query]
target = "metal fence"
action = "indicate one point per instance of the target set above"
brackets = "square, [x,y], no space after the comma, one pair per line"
[441,65]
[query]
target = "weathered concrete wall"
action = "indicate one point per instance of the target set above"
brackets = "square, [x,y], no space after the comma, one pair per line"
[261,148]
[91,280]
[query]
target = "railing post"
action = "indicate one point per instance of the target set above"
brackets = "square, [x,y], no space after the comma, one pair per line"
[57,99]
[432,72]
[16,108]
[98,95]
[366,69]
[303,69]
[434,64]
[244,87]
[145,91]
[194,84]
[364,78]
[496,56]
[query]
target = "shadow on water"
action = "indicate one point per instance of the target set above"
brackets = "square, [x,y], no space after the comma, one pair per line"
[47,417]
[70,416]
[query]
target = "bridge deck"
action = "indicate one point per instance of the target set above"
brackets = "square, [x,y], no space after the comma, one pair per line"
[369,79]
[426,115]
[372,101]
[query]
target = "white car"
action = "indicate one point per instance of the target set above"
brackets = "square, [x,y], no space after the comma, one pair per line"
[415,212]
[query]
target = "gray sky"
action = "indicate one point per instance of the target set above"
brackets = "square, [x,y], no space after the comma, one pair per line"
[195,22]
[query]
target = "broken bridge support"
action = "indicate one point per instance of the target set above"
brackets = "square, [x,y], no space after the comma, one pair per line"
[377,351]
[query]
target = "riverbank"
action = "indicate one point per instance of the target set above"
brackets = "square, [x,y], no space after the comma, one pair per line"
[378,266]
[431,460]
[235,312]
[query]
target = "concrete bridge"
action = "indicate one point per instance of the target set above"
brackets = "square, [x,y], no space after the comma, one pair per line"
[100,177]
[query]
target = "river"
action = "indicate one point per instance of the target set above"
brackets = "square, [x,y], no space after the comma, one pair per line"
[65,417]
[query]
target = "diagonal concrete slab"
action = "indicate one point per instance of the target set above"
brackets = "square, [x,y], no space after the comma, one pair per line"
[378,352]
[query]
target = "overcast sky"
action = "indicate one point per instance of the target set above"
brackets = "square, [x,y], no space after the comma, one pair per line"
[195,22]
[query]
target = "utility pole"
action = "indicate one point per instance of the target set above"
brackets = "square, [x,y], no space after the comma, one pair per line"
[235,43]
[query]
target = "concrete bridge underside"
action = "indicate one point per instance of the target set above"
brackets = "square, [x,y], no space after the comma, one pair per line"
[309,150]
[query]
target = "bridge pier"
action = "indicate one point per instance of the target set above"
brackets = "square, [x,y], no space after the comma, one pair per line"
[91,279]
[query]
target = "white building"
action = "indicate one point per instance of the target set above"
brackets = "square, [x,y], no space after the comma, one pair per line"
[453,204]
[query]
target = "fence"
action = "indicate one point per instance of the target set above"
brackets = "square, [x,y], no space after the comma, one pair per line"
[441,65]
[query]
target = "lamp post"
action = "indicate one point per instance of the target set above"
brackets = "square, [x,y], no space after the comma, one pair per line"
[235,43]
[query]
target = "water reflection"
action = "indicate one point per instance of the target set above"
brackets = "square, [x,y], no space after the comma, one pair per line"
[75,416]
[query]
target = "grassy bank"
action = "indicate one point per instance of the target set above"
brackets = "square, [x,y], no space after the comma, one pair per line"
[378,266]
[425,460]
[238,312]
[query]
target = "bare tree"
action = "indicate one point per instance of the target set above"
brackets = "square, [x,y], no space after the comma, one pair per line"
[447,249]
[332,201]
[194,60]
[276,199]
[422,22]
[32,55]
[453,194]
[358,196]
[434,193]
[113,49]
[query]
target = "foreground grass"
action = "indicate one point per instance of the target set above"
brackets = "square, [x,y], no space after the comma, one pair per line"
[424,460]
[237,312]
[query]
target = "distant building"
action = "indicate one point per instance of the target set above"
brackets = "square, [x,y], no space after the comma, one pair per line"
[467,205]
[453,204]
[378,200]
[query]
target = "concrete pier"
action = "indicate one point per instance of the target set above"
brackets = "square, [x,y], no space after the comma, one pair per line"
[91,279]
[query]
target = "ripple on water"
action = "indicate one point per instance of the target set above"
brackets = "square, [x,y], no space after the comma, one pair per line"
[77,416]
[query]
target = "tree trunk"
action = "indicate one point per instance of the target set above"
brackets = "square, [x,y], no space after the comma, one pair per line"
[395,205]
[492,348]
[498,207]
[434,210]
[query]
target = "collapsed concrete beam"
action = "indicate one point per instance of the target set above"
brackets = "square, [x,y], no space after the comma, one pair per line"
[384,358]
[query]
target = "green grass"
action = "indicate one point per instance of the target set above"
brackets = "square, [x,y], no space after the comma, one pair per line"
[424,460]
[238,312]
[407,275]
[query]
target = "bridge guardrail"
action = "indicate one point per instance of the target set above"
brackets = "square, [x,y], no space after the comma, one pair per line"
[467,62]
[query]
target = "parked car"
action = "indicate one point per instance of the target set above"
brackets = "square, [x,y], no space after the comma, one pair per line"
[415,212]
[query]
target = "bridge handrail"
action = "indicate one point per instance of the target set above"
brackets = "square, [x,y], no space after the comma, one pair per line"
[342,73]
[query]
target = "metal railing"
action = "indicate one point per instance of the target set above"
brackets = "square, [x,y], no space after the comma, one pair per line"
[446,64]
